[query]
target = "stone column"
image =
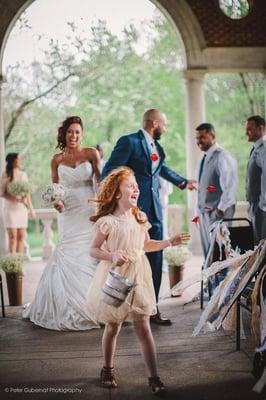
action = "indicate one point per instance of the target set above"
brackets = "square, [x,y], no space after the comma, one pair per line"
[195,115]
[3,234]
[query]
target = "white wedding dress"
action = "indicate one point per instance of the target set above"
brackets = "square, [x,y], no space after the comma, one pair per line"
[59,301]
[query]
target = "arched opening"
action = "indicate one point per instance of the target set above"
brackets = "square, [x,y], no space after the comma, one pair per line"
[165,91]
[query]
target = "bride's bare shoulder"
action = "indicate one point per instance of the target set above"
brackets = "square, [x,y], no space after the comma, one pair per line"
[90,152]
[57,159]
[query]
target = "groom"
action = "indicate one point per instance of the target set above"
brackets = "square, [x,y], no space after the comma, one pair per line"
[142,153]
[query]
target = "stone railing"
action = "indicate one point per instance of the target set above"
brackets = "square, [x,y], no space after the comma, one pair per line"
[175,218]
[175,221]
[241,210]
[176,215]
[46,215]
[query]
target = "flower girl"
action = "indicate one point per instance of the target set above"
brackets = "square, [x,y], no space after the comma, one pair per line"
[121,237]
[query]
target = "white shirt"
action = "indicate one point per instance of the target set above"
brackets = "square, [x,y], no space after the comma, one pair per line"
[227,168]
[152,148]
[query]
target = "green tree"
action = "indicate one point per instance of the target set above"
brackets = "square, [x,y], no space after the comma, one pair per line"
[108,82]
[229,102]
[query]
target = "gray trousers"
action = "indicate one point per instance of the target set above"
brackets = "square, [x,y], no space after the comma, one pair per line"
[206,220]
[258,218]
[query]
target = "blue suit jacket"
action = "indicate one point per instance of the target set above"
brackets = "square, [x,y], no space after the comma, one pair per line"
[132,151]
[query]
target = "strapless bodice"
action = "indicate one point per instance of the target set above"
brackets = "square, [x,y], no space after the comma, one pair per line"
[77,177]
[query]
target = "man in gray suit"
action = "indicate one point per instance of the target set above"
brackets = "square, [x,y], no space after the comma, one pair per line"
[217,184]
[256,176]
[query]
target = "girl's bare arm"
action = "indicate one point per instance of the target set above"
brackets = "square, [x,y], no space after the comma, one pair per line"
[157,245]
[97,252]
[54,169]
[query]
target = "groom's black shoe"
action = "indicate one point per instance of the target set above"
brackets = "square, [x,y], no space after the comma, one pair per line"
[159,320]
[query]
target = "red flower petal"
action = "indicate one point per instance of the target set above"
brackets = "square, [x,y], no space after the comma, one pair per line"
[211,188]
[154,157]
[195,219]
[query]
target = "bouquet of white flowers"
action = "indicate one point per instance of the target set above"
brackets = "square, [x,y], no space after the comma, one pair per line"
[19,189]
[12,263]
[53,193]
[177,255]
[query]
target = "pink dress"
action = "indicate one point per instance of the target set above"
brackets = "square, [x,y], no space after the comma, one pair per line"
[15,212]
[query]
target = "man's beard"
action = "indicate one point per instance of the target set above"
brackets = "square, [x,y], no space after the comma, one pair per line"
[157,134]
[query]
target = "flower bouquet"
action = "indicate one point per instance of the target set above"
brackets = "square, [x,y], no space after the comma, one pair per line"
[53,193]
[20,189]
[11,264]
[176,257]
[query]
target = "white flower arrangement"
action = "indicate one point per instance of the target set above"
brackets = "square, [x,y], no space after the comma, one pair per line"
[177,255]
[53,193]
[20,189]
[12,263]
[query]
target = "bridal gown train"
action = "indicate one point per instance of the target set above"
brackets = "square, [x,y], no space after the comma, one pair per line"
[61,294]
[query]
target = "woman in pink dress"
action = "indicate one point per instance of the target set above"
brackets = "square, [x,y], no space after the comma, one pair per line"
[16,209]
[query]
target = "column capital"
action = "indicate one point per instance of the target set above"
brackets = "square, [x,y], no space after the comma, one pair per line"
[196,74]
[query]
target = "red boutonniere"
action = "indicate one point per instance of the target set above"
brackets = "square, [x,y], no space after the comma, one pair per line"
[211,188]
[195,219]
[208,208]
[154,157]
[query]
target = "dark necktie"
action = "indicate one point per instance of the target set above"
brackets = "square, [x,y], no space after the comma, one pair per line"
[251,151]
[202,165]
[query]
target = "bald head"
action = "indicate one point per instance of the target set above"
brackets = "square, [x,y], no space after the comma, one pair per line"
[152,115]
[154,122]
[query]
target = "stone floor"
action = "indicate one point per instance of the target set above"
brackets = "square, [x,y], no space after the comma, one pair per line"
[36,363]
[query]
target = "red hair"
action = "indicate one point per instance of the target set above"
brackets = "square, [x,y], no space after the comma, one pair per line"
[109,190]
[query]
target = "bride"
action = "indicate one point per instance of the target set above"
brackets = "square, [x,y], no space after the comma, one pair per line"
[61,293]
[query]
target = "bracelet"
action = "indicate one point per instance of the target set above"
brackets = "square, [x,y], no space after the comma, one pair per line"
[169,243]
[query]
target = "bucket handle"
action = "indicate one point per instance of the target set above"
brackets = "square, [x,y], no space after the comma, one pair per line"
[117,269]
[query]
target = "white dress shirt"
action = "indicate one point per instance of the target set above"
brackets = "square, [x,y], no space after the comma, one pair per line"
[152,148]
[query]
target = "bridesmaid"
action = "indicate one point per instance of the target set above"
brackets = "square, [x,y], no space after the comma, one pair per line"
[15,210]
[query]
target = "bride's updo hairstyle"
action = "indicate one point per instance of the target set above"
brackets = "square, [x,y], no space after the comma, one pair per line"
[109,193]
[62,130]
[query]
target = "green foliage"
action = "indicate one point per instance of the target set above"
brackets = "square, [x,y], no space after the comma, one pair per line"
[228,105]
[105,80]
[235,9]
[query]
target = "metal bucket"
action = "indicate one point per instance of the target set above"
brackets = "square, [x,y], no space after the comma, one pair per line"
[116,289]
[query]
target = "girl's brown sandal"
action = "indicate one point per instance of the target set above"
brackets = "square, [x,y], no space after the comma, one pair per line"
[156,385]
[108,378]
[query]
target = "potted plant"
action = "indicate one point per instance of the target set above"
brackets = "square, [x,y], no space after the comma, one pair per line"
[176,258]
[11,264]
